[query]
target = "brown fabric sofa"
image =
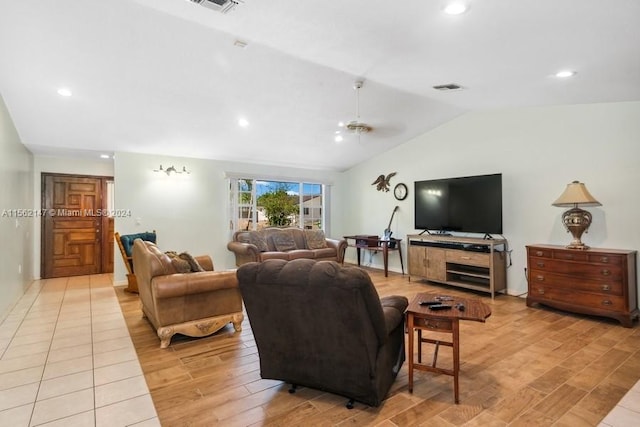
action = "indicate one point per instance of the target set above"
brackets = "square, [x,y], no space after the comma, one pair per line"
[287,243]
[321,325]
[194,304]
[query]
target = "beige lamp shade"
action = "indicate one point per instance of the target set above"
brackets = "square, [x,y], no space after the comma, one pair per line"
[576,194]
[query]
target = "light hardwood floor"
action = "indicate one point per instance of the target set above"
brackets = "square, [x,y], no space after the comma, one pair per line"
[524,366]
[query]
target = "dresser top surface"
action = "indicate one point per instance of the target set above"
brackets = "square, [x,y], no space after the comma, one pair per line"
[589,251]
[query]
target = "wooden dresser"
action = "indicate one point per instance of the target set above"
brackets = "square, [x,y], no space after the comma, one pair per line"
[601,282]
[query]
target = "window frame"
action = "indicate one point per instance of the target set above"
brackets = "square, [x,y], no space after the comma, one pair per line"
[253,222]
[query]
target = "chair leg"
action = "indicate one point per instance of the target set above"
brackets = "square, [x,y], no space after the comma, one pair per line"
[350,404]
[293,388]
[132,284]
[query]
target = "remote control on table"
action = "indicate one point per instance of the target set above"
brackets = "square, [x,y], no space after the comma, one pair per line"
[439,307]
[430,303]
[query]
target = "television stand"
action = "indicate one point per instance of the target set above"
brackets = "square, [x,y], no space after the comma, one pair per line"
[465,262]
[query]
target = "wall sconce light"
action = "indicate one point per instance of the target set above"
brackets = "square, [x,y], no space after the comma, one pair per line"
[171,169]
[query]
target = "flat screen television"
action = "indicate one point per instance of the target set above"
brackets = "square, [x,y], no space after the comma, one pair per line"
[471,204]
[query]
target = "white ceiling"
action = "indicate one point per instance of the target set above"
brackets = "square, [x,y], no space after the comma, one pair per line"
[164,76]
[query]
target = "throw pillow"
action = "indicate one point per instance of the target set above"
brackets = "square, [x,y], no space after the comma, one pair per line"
[283,241]
[315,239]
[184,262]
[193,263]
[181,265]
[256,238]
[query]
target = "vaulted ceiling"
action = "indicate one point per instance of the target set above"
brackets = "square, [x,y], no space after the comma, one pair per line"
[173,77]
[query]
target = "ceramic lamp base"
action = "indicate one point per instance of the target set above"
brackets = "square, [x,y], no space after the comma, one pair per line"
[576,221]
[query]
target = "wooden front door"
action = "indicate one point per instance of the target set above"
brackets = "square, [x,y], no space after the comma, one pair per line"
[74,225]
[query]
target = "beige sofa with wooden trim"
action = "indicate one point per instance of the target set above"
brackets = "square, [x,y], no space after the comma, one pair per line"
[196,304]
[286,243]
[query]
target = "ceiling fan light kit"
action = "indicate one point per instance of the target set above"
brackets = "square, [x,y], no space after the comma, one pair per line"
[356,126]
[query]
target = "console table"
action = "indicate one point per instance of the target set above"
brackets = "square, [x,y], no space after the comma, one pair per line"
[594,281]
[420,318]
[374,243]
[465,262]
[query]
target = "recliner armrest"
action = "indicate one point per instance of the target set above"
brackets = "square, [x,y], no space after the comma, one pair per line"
[393,308]
[181,284]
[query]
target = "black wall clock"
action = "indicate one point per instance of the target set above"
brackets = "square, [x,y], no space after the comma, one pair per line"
[400,191]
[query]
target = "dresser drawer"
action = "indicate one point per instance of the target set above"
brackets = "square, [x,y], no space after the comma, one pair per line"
[584,299]
[540,252]
[611,272]
[572,255]
[558,254]
[604,287]
[437,325]
[605,259]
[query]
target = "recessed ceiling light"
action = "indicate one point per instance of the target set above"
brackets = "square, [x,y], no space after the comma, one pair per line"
[243,122]
[339,138]
[63,91]
[565,73]
[105,156]
[341,124]
[455,8]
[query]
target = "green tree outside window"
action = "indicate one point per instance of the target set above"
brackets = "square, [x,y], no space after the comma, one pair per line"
[279,206]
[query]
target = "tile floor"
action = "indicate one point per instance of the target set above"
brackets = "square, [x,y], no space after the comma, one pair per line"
[627,411]
[66,359]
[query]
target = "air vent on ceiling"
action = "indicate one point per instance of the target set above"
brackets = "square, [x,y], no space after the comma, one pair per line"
[448,87]
[222,6]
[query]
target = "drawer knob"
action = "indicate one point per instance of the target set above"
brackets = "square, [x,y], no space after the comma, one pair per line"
[540,264]
[604,259]
[540,278]
[539,253]
[541,291]
[606,302]
[568,256]
[606,272]
[606,287]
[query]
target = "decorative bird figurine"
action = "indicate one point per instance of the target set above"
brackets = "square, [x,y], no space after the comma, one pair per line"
[382,182]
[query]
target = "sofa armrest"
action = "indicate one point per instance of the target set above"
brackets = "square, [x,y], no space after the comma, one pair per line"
[339,245]
[181,284]
[205,262]
[245,252]
[393,308]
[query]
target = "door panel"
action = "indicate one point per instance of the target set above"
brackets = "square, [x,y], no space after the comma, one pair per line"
[72,229]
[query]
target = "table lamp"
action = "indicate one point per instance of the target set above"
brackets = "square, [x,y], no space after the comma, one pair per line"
[576,220]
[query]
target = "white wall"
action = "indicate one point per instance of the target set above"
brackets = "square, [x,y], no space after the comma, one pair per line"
[538,151]
[64,165]
[16,190]
[189,212]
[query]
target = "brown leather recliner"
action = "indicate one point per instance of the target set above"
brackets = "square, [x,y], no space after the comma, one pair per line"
[321,325]
[194,304]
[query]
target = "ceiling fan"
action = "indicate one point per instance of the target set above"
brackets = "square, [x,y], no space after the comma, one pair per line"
[355,126]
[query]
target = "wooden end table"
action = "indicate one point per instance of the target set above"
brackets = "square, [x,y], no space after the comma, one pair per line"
[374,243]
[421,318]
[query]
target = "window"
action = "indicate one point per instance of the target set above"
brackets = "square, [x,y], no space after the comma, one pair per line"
[256,204]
